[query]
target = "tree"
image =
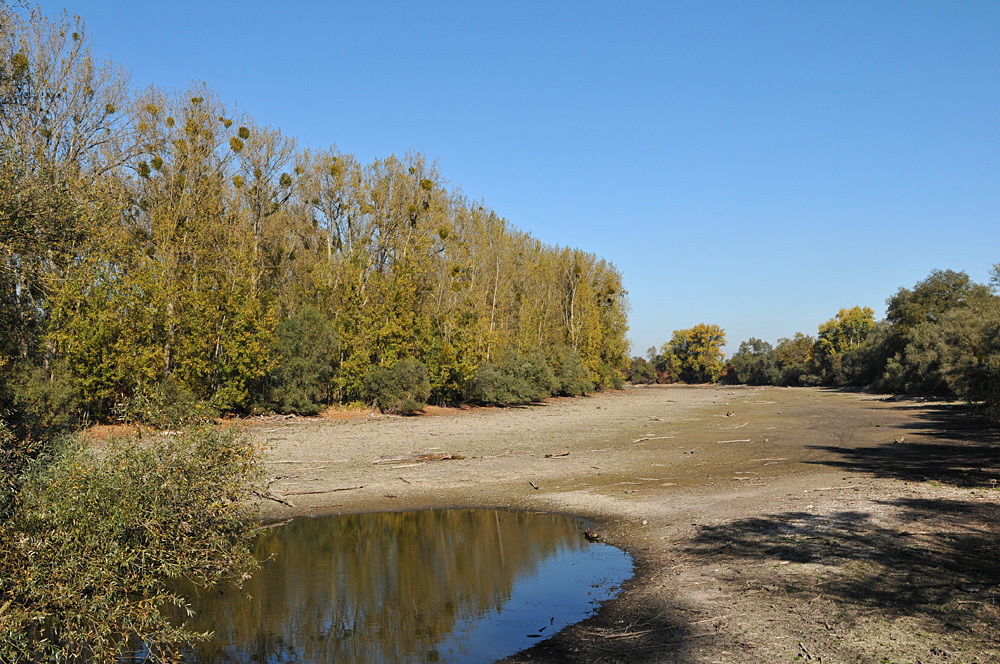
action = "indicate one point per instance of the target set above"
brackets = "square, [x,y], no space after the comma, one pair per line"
[308,349]
[162,239]
[930,298]
[641,372]
[791,358]
[59,110]
[936,334]
[847,330]
[699,352]
[61,128]
[668,365]
[752,364]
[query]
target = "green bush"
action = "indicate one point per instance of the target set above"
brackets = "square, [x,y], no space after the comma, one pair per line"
[14,454]
[91,553]
[307,351]
[613,377]
[535,371]
[402,388]
[489,385]
[571,376]
[169,405]
[47,399]
[516,379]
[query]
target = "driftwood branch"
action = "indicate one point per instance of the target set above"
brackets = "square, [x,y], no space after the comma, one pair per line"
[645,438]
[276,524]
[308,493]
[427,456]
[276,497]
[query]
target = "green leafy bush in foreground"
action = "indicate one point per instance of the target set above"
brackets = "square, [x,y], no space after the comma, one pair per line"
[93,547]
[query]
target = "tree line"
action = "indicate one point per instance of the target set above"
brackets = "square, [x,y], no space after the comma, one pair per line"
[158,248]
[164,259]
[940,337]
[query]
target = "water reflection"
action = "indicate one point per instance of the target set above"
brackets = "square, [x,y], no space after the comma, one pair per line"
[429,586]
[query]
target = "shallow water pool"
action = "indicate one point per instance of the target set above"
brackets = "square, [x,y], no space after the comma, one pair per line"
[459,586]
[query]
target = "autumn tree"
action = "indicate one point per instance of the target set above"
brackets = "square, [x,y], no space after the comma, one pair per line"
[847,330]
[61,128]
[699,352]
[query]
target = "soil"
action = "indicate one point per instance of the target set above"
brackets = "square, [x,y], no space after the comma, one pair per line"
[767,524]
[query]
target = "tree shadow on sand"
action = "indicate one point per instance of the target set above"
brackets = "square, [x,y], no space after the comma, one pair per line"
[947,444]
[930,558]
[642,631]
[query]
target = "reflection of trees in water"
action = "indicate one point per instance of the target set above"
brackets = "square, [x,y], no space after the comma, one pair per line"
[374,587]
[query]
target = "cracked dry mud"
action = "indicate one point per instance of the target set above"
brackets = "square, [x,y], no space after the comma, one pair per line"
[767,524]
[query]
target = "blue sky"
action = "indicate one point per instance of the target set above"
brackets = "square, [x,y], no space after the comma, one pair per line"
[757,165]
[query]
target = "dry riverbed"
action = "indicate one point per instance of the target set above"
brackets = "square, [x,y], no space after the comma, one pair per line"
[767,524]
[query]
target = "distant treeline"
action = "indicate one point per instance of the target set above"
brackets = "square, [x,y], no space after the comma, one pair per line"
[942,337]
[161,253]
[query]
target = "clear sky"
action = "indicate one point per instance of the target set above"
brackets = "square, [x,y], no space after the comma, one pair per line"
[757,165]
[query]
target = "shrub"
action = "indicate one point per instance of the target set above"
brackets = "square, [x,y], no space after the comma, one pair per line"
[613,377]
[47,399]
[168,405]
[516,379]
[491,386]
[307,350]
[809,380]
[535,371]
[571,376]
[93,550]
[14,454]
[402,388]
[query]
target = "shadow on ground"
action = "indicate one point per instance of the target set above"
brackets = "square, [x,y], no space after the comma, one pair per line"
[947,444]
[929,558]
[639,630]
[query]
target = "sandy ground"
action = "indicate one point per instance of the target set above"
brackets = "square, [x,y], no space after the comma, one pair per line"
[767,524]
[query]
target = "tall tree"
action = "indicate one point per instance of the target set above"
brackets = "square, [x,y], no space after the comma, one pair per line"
[699,351]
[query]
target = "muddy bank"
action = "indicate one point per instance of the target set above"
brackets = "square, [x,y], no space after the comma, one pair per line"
[799,524]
